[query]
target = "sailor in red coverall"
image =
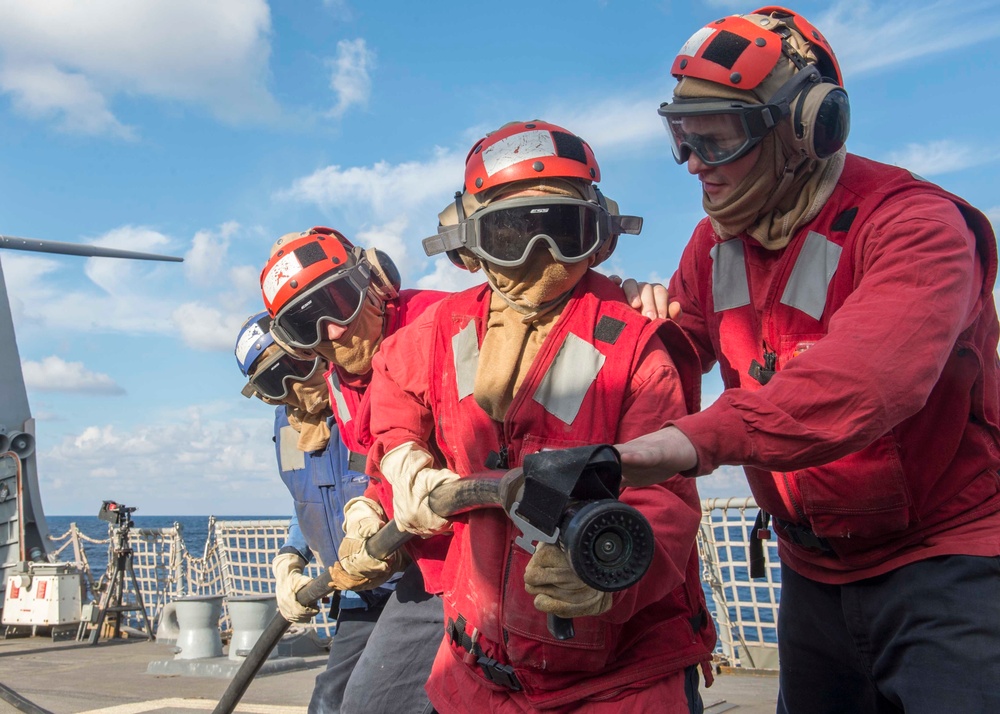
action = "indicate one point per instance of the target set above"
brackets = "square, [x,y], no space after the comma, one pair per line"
[849,305]
[329,297]
[547,355]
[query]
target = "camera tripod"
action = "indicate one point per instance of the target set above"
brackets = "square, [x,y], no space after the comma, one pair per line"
[121,573]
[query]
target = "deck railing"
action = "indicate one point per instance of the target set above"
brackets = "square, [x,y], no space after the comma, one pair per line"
[237,556]
[745,610]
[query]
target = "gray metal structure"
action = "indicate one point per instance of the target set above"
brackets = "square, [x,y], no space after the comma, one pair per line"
[23,532]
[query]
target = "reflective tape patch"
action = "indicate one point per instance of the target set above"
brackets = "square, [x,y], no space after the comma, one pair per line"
[288,450]
[339,403]
[247,339]
[695,42]
[515,149]
[568,378]
[729,276]
[279,274]
[810,280]
[465,348]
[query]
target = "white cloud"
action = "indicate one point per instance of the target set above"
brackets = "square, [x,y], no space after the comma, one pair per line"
[70,60]
[724,482]
[208,253]
[870,36]
[120,277]
[206,459]
[351,81]
[612,125]
[383,191]
[939,157]
[53,374]
[44,92]
[448,277]
[141,297]
[206,327]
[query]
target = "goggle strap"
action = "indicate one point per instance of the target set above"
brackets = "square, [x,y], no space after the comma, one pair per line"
[632,225]
[448,238]
[782,99]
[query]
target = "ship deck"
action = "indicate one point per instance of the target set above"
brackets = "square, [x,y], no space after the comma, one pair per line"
[110,678]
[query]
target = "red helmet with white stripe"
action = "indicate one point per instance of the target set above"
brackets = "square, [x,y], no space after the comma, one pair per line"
[530,154]
[740,52]
[526,151]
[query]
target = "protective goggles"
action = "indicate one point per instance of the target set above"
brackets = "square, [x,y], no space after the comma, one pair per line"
[337,299]
[274,376]
[720,131]
[505,233]
[717,131]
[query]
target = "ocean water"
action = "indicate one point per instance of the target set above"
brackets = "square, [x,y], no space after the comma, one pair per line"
[194,531]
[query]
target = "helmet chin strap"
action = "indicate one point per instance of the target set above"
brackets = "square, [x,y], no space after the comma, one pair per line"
[531,311]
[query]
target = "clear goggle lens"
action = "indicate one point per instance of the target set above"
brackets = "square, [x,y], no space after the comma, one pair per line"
[718,131]
[338,299]
[715,138]
[274,377]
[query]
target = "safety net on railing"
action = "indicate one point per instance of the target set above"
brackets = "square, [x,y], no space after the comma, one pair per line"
[237,556]
[745,610]
[246,549]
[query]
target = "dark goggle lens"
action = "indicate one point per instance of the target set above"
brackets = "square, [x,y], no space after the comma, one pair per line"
[336,301]
[507,234]
[272,380]
[716,138]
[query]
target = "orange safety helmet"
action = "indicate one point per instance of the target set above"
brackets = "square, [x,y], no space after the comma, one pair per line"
[525,151]
[318,277]
[739,53]
[301,262]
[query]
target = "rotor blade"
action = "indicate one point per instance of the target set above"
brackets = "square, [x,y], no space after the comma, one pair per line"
[91,251]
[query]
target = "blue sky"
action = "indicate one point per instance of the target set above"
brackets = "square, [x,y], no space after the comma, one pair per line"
[209,129]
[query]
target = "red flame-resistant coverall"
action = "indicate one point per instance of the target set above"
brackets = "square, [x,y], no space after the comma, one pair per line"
[878,431]
[347,391]
[616,381]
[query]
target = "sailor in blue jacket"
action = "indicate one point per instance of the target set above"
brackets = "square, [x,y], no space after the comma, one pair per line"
[315,466]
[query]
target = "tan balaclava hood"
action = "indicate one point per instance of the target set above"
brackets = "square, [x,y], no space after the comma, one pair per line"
[307,405]
[527,299]
[785,189]
[353,351]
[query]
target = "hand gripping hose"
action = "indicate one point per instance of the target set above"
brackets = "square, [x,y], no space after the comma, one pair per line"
[610,544]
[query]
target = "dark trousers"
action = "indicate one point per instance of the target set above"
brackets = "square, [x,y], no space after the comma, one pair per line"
[923,639]
[391,673]
[354,628]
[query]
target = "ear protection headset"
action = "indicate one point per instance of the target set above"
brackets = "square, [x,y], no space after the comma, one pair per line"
[385,275]
[821,112]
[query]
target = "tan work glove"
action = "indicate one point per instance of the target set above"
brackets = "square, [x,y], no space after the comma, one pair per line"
[287,568]
[408,470]
[557,589]
[358,570]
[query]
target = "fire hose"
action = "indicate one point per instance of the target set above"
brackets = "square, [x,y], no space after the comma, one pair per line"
[567,497]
